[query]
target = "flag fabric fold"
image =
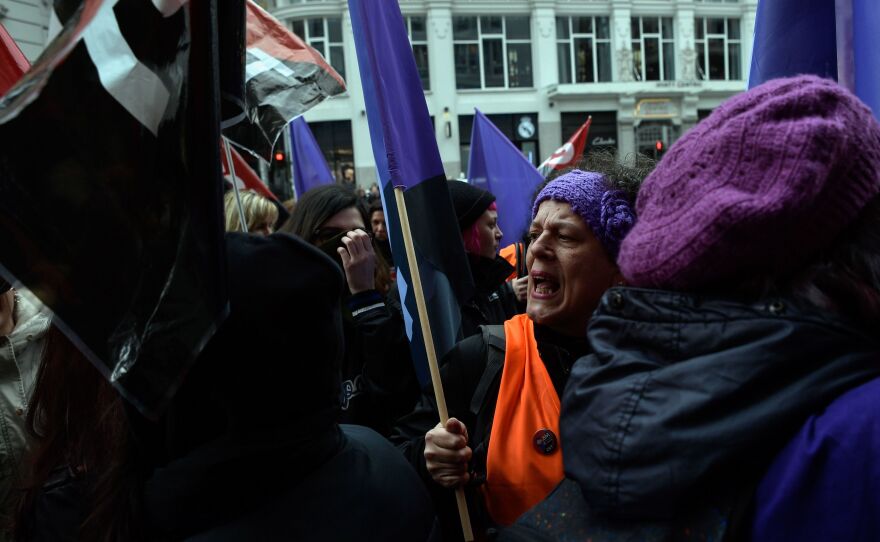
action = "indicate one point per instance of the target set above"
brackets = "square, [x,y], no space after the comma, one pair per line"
[569,153]
[13,63]
[284,78]
[406,154]
[498,166]
[118,227]
[307,162]
[245,176]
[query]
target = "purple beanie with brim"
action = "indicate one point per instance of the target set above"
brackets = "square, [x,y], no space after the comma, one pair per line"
[763,184]
[606,211]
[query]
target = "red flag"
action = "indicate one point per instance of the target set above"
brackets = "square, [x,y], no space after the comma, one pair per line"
[246,177]
[13,64]
[568,154]
[284,78]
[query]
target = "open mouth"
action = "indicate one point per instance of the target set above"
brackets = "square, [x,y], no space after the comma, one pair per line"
[545,285]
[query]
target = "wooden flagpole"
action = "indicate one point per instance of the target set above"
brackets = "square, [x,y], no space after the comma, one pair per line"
[429,345]
[229,163]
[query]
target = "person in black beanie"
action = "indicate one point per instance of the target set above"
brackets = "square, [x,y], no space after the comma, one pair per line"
[494,300]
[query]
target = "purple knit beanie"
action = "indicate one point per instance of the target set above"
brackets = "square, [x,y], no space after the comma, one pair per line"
[764,183]
[606,211]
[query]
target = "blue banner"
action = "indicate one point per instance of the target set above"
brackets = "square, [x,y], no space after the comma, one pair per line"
[307,162]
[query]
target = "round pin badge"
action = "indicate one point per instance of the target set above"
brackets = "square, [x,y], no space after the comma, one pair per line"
[545,441]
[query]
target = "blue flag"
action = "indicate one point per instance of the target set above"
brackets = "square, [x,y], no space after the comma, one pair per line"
[498,166]
[794,37]
[828,38]
[406,155]
[307,162]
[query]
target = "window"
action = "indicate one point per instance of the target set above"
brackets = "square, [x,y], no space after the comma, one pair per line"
[325,35]
[418,38]
[719,1]
[653,49]
[718,44]
[492,52]
[583,45]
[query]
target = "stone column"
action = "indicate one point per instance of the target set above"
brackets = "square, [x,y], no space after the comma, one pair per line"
[626,135]
[685,50]
[747,31]
[546,70]
[621,42]
[441,64]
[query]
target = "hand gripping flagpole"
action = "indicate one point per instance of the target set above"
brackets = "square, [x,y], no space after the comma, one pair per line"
[241,218]
[429,344]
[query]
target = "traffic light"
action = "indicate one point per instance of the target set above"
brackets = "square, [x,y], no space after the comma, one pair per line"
[659,149]
[659,146]
[279,156]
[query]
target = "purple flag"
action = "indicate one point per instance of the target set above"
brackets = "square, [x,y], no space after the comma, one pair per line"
[309,167]
[498,166]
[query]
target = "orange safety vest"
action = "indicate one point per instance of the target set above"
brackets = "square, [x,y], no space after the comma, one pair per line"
[524,462]
[509,253]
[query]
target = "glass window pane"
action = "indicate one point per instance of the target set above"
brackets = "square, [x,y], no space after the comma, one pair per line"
[650,25]
[715,26]
[519,64]
[417,27]
[467,66]
[698,28]
[562,28]
[701,61]
[517,28]
[464,28]
[733,29]
[582,25]
[637,60]
[493,63]
[490,25]
[634,28]
[583,60]
[668,61]
[603,60]
[319,46]
[602,31]
[334,29]
[298,28]
[716,59]
[652,59]
[734,61]
[316,28]
[337,59]
[420,52]
[667,28]
[563,58]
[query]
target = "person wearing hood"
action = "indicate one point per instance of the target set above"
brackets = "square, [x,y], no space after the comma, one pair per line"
[502,386]
[752,310]
[494,300]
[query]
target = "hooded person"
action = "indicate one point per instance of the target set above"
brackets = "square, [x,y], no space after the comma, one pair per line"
[753,307]
[494,300]
[256,453]
[503,385]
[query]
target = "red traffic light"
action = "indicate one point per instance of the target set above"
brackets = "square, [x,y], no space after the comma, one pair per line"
[279,156]
[659,145]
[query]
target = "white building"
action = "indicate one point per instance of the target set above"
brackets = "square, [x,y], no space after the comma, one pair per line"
[27,21]
[646,70]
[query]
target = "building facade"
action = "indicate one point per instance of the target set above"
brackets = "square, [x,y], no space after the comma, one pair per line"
[27,21]
[645,70]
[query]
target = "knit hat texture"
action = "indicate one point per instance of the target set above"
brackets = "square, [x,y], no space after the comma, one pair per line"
[469,202]
[607,212]
[764,183]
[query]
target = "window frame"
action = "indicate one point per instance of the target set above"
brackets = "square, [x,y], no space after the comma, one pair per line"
[704,41]
[407,21]
[325,38]
[505,41]
[572,35]
[640,76]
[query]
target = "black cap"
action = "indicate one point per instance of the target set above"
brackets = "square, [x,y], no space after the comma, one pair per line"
[469,202]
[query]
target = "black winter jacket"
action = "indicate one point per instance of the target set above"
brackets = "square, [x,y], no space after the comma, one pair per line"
[461,371]
[493,302]
[685,399]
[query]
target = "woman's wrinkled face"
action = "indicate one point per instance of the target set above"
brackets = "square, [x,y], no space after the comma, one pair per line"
[490,234]
[569,270]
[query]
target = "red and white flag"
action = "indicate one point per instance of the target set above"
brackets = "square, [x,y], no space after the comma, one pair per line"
[245,176]
[13,64]
[568,154]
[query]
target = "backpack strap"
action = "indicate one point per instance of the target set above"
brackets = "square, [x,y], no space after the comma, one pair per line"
[496,344]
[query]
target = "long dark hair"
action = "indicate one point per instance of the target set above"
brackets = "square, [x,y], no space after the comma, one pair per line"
[78,422]
[317,206]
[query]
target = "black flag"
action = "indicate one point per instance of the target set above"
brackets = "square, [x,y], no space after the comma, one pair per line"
[110,190]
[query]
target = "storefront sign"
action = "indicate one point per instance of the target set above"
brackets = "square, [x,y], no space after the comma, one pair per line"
[656,108]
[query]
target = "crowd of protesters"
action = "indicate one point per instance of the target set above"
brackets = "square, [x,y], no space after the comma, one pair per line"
[691,353]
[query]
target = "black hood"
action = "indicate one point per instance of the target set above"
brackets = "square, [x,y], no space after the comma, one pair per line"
[683,392]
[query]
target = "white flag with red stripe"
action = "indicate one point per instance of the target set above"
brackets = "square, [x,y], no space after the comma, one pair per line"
[568,154]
